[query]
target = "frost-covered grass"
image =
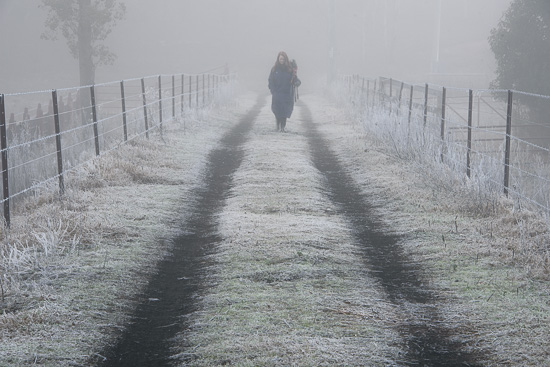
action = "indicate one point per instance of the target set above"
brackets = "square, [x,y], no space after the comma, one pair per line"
[490,258]
[290,285]
[71,267]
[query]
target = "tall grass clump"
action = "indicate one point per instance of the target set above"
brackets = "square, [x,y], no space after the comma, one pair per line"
[442,165]
[73,263]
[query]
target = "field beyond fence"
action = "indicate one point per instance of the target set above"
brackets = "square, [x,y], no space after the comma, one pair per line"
[45,134]
[498,139]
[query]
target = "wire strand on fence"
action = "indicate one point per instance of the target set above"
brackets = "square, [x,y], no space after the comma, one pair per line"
[31,140]
[529,165]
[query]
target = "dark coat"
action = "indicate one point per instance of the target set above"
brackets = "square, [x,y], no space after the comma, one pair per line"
[280,85]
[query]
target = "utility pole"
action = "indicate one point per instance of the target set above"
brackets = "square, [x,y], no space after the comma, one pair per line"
[331,75]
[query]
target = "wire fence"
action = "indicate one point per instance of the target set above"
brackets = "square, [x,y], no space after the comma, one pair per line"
[45,134]
[498,137]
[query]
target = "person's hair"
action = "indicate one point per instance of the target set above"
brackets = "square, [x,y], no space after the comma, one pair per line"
[286,63]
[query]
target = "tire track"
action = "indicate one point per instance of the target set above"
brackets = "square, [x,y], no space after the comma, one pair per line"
[169,296]
[428,342]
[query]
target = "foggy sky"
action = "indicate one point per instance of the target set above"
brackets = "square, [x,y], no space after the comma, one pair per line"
[393,38]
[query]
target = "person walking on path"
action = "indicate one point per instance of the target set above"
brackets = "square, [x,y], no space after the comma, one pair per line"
[281,84]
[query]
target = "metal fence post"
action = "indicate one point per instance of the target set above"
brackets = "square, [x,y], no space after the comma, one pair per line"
[124,121]
[182,90]
[469,152]
[367,96]
[197,87]
[58,140]
[380,90]
[362,89]
[173,96]
[443,108]
[94,122]
[391,95]
[411,103]
[374,94]
[400,96]
[426,104]
[508,143]
[144,107]
[160,101]
[190,90]
[5,171]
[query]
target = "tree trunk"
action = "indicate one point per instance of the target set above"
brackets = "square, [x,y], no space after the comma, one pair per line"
[85,58]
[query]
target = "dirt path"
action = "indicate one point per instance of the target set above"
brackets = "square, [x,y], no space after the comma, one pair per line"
[428,341]
[289,185]
[224,242]
[168,299]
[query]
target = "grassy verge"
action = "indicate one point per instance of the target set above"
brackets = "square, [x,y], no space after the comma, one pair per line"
[488,259]
[288,286]
[71,267]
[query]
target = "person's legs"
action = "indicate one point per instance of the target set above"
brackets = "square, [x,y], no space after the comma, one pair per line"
[278,123]
[283,124]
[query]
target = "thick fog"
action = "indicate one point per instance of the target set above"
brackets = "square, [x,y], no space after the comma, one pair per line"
[420,40]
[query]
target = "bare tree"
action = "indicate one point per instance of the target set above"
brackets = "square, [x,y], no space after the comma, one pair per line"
[84,24]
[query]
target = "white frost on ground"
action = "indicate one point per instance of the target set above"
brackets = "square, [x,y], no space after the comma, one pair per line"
[104,237]
[288,286]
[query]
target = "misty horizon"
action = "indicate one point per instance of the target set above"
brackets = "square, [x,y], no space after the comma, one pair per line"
[399,39]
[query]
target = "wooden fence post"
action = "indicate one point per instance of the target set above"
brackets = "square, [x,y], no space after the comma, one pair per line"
[469,152]
[5,172]
[94,122]
[124,121]
[144,107]
[58,141]
[508,143]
